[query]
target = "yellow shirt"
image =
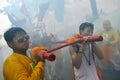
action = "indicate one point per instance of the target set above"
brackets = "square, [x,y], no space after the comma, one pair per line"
[19,67]
[110,36]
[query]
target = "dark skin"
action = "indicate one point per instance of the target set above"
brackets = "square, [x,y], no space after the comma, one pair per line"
[17,47]
[22,47]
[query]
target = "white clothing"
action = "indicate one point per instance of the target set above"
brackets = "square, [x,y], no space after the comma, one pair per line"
[86,71]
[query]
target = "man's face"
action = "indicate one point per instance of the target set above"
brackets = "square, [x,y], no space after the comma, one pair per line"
[21,41]
[106,27]
[87,32]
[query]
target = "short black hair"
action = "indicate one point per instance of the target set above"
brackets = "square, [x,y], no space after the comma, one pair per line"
[11,33]
[86,24]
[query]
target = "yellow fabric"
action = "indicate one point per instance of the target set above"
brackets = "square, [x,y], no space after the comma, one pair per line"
[19,67]
[111,37]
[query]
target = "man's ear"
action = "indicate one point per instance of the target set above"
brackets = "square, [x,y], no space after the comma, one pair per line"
[10,44]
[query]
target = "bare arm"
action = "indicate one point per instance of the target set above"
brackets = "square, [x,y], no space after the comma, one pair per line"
[76,58]
[97,51]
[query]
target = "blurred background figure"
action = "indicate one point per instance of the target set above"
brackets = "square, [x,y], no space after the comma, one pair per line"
[110,47]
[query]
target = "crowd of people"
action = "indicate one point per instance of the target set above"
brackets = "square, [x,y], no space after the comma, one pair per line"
[20,66]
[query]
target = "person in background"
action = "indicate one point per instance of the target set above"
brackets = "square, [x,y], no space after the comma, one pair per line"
[109,45]
[82,55]
[18,66]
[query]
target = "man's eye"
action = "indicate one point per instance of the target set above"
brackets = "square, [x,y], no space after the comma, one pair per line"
[23,38]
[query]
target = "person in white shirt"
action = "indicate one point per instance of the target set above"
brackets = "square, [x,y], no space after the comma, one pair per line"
[82,55]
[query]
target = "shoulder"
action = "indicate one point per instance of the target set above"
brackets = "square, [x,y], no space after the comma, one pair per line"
[71,50]
[10,59]
[114,30]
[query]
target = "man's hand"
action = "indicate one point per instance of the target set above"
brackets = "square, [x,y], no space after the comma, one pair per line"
[40,56]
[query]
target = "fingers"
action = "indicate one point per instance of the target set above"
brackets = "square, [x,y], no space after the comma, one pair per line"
[81,46]
[85,39]
[41,54]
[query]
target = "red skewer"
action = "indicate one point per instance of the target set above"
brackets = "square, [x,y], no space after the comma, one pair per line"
[89,39]
[52,57]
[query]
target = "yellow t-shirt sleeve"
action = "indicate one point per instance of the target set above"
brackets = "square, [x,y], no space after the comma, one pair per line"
[16,71]
[116,37]
[38,70]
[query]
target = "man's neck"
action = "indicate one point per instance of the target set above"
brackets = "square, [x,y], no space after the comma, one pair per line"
[20,52]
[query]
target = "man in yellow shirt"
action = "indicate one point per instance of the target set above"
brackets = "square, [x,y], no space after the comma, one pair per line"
[18,66]
[109,44]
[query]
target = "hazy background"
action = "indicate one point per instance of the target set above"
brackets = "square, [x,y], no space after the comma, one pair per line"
[60,17]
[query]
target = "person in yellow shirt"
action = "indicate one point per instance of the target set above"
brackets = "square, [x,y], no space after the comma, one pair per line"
[109,44]
[18,66]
